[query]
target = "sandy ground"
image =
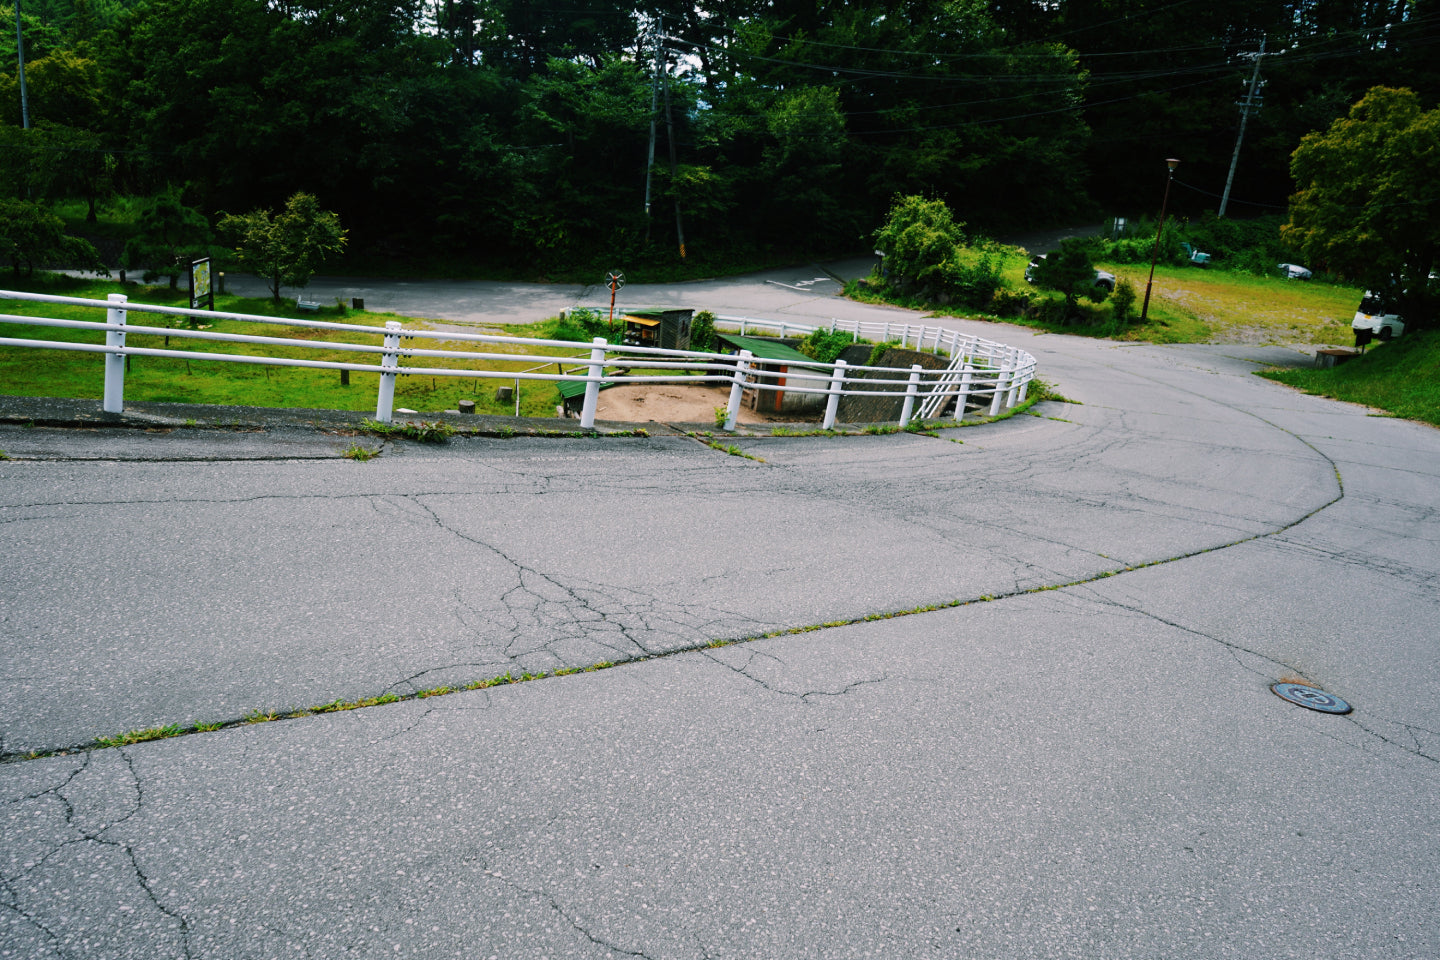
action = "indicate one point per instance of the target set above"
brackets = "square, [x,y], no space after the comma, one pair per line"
[671,403]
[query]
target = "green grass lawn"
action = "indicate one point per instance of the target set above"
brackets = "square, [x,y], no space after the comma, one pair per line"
[60,373]
[1187,305]
[1401,377]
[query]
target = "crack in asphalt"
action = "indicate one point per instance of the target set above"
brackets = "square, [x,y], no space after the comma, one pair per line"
[69,817]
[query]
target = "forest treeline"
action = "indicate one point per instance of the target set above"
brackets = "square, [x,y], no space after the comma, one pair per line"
[520,131]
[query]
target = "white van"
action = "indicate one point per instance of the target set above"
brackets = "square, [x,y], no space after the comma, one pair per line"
[1377,317]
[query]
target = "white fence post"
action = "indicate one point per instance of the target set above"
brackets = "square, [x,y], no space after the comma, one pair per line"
[1002,377]
[389,363]
[1013,397]
[737,389]
[592,383]
[910,390]
[832,404]
[964,395]
[115,362]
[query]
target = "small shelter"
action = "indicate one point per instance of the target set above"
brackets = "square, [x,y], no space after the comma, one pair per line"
[666,329]
[572,394]
[771,367]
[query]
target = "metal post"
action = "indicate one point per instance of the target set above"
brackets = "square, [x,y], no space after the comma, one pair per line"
[389,363]
[737,389]
[20,54]
[911,389]
[115,362]
[1145,310]
[832,404]
[592,383]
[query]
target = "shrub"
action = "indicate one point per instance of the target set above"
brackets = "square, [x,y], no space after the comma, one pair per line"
[702,331]
[1122,301]
[919,237]
[878,351]
[825,345]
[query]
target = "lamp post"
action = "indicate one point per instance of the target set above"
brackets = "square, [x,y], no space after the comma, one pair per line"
[1172,163]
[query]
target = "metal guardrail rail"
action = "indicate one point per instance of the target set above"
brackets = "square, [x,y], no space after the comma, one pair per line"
[977,367]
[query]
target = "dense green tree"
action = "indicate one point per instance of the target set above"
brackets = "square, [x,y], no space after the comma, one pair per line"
[1367,203]
[286,248]
[168,236]
[31,236]
[1071,270]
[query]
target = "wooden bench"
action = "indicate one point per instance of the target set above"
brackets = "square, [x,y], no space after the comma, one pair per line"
[1332,357]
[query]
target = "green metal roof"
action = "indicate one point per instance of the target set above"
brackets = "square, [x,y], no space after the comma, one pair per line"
[570,389]
[770,350]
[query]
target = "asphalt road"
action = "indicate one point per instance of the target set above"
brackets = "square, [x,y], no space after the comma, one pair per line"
[1067,746]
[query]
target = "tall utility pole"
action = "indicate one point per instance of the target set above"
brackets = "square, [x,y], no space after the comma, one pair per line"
[670,136]
[20,52]
[1251,104]
[654,95]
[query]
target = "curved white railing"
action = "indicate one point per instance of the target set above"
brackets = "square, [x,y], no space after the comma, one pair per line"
[977,368]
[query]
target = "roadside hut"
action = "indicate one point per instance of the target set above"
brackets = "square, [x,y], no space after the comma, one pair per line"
[771,368]
[666,329]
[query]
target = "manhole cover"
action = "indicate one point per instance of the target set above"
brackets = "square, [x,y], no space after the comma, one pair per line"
[1310,698]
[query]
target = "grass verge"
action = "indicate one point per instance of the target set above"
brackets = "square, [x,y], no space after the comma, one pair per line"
[1188,305]
[1401,377]
[33,372]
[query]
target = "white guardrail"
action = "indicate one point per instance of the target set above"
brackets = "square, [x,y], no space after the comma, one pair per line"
[977,368]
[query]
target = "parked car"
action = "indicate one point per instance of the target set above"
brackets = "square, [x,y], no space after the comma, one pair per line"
[1293,271]
[1376,318]
[1104,279]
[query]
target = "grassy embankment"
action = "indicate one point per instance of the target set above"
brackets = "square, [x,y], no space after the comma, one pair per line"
[1191,305]
[1401,377]
[1187,305]
[59,373]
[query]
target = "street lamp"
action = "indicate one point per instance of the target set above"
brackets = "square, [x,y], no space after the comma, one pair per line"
[1172,163]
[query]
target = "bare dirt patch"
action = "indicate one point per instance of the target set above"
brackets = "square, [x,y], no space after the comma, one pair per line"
[670,403]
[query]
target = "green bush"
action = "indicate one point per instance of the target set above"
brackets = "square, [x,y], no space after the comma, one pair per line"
[919,237]
[825,345]
[1122,301]
[702,331]
[565,330]
[878,351]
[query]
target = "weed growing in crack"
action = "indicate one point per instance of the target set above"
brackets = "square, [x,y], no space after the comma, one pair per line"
[721,415]
[260,716]
[784,431]
[142,736]
[505,433]
[602,665]
[207,727]
[361,454]
[504,678]
[435,692]
[4,455]
[437,431]
[566,671]
[733,450]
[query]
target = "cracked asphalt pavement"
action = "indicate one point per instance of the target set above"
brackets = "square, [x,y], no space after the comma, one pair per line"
[874,697]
